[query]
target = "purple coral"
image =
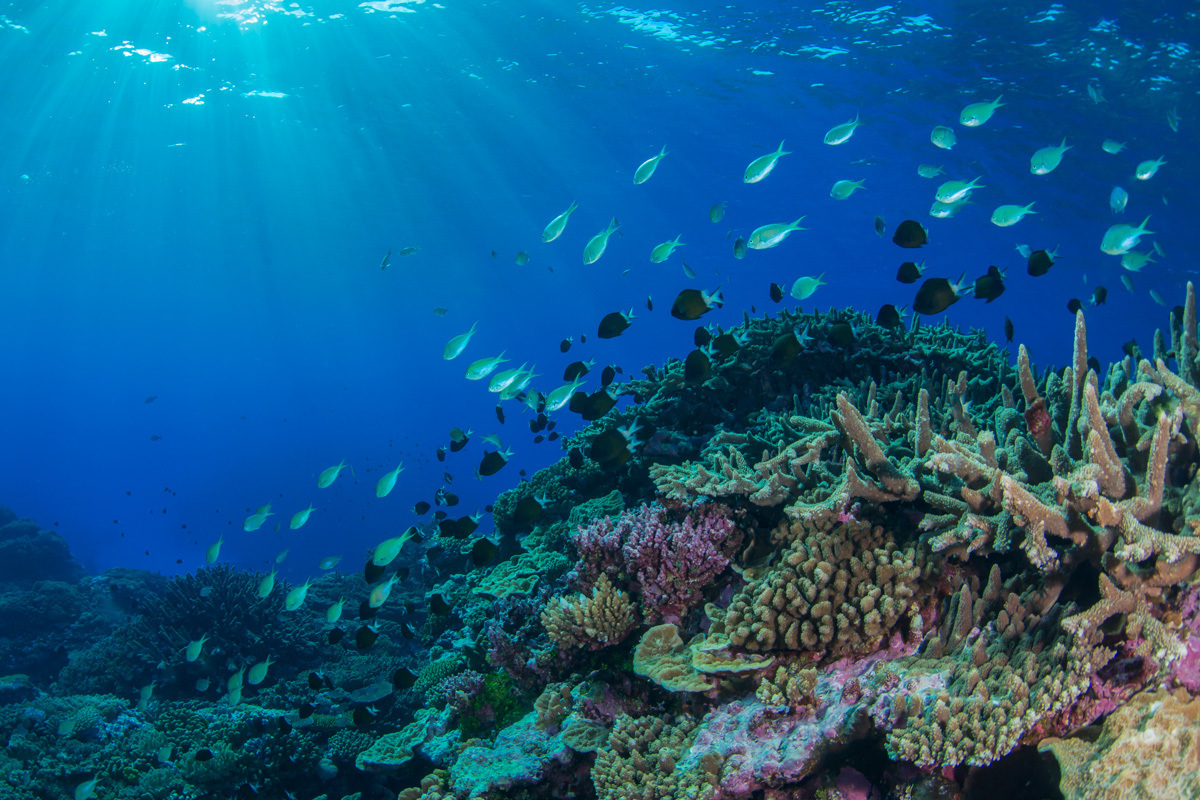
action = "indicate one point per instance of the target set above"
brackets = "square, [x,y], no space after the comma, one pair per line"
[672,554]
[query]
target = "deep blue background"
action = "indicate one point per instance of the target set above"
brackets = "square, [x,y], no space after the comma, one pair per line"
[224,255]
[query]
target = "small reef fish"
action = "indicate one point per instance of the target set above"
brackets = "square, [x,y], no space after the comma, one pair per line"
[1147,169]
[387,550]
[839,134]
[330,474]
[1008,330]
[943,137]
[388,482]
[380,593]
[1135,260]
[804,287]
[938,294]
[909,272]
[1127,282]
[953,191]
[647,167]
[144,696]
[762,166]
[334,612]
[929,171]
[560,396]
[694,303]
[521,258]
[256,520]
[990,285]
[301,517]
[214,551]
[940,210]
[771,235]
[407,251]
[1046,160]
[1118,199]
[1112,146]
[843,189]
[688,272]
[328,562]
[483,367]
[266,585]
[86,790]
[192,651]
[1173,119]
[1040,262]
[910,234]
[503,380]
[387,258]
[976,114]
[1156,297]
[295,598]
[1007,215]
[717,212]
[1024,250]
[614,324]
[880,226]
[258,673]
[457,344]
[1120,239]
[558,224]
[739,249]
[492,462]
[281,556]
[662,252]
[1096,93]
[598,243]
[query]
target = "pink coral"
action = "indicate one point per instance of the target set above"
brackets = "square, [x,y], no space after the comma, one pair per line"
[672,554]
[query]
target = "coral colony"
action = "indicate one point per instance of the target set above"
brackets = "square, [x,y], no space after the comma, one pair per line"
[892,565]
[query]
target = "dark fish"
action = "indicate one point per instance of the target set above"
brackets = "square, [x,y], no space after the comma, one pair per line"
[440,515]
[841,334]
[403,678]
[909,272]
[614,324]
[483,552]
[365,636]
[537,424]
[438,605]
[693,303]
[441,453]
[363,716]
[305,710]
[696,368]
[150,399]
[910,234]
[785,348]
[726,345]
[607,376]
[936,295]
[444,498]
[610,448]
[575,458]
[491,463]
[649,303]
[1131,349]
[154,437]
[583,338]
[717,212]
[1040,263]
[880,226]
[1008,330]
[203,754]
[500,414]
[702,337]
[539,439]
[565,344]
[315,681]
[527,511]
[335,635]
[739,247]
[465,526]
[591,407]
[552,436]
[371,572]
[365,611]
[776,293]
[1099,296]
[522,258]
[990,286]
[1074,305]
[421,508]
[458,439]
[888,316]
[407,251]
[407,630]
[576,369]
[551,425]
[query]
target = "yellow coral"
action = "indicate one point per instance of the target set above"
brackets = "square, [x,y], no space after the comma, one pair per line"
[595,622]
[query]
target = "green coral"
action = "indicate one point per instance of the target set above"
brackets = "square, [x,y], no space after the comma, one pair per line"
[495,707]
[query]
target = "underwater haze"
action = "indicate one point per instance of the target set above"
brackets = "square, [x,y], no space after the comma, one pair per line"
[293,296]
[197,198]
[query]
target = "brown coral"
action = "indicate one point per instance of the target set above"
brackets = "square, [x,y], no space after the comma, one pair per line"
[604,618]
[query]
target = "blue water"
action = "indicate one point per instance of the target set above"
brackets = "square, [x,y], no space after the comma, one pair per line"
[195,199]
